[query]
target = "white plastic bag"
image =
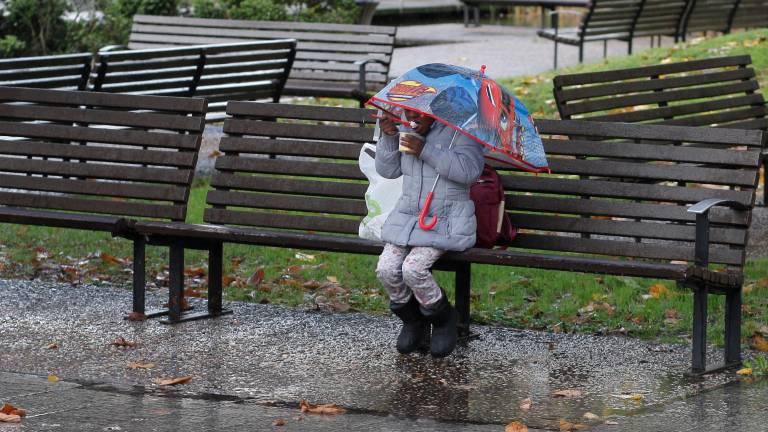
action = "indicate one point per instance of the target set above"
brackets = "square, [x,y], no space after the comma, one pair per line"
[381,197]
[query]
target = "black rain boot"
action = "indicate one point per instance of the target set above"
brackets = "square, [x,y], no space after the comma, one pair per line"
[444,319]
[415,333]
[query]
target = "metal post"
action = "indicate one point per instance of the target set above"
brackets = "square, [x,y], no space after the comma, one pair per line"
[139,274]
[699,357]
[463,281]
[733,327]
[765,178]
[215,257]
[605,48]
[176,282]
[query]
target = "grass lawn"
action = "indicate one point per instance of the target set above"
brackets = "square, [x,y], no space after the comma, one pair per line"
[524,298]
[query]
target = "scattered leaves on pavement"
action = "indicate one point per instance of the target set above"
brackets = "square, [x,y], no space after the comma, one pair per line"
[111,259]
[566,426]
[591,416]
[637,397]
[120,342]
[744,371]
[516,426]
[307,407]
[140,365]
[9,418]
[53,346]
[173,381]
[53,378]
[567,393]
[9,409]
[525,404]
[278,422]
[136,316]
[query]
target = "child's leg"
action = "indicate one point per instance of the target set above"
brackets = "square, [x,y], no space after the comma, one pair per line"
[390,272]
[418,277]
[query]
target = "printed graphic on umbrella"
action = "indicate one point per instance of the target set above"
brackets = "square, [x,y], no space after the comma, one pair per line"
[472,104]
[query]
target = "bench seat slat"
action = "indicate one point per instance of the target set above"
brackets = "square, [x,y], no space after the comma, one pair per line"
[290,147]
[304,112]
[283,221]
[292,130]
[93,170]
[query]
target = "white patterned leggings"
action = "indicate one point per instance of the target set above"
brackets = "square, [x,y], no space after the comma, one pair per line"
[405,272]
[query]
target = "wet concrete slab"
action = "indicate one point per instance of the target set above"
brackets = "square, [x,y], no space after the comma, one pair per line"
[270,354]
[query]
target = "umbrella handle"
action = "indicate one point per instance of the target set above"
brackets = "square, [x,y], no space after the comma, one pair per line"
[423,215]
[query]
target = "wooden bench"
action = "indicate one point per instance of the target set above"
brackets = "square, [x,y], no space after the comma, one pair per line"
[604,20]
[223,72]
[64,72]
[545,5]
[592,216]
[750,14]
[709,15]
[720,92]
[332,60]
[91,161]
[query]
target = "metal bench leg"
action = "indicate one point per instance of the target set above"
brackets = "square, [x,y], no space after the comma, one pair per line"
[555,55]
[175,282]
[463,283]
[466,16]
[733,327]
[477,16]
[215,267]
[605,48]
[139,274]
[581,53]
[765,178]
[699,359]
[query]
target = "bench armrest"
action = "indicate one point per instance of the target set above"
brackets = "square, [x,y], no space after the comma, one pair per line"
[362,85]
[112,48]
[554,17]
[701,210]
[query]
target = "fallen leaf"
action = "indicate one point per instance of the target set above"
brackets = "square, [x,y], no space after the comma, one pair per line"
[566,426]
[215,154]
[312,284]
[658,291]
[637,397]
[236,261]
[9,409]
[136,316]
[173,381]
[516,426]
[140,365]
[53,378]
[256,278]
[120,342]
[278,422]
[194,272]
[591,416]
[307,407]
[611,422]
[6,418]
[111,259]
[567,393]
[745,371]
[304,257]
[53,346]
[525,404]
[332,279]
[759,343]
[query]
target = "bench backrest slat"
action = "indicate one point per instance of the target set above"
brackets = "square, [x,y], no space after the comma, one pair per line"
[325,52]
[718,91]
[65,72]
[710,15]
[617,190]
[751,14]
[610,17]
[244,70]
[98,153]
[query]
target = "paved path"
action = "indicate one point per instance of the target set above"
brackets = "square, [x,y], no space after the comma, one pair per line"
[266,355]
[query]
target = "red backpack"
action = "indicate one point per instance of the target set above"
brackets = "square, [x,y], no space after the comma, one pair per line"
[494,227]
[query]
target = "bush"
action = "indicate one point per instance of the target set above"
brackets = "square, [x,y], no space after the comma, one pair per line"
[38,24]
[332,11]
[11,46]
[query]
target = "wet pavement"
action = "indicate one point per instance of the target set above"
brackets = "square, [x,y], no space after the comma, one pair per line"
[265,355]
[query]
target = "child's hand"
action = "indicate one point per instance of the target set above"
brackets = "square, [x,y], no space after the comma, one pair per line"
[413,145]
[387,125]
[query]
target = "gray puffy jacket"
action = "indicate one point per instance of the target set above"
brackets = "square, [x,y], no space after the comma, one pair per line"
[458,167]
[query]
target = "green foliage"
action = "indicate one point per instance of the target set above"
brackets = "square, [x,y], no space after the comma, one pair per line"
[129,8]
[11,46]
[759,366]
[37,24]
[331,11]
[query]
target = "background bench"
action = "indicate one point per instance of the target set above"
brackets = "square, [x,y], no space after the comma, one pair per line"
[545,5]
[64,72]
[720,92]
[332,60]
[592,216]
[88,160]
[223,72]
